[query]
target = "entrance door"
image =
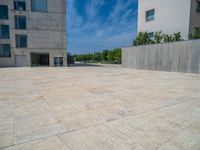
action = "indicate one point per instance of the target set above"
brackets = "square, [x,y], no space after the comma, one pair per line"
[21,61]
[38,59]
[58,61]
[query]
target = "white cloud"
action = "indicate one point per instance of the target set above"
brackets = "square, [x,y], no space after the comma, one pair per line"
[92,7]
[93,33]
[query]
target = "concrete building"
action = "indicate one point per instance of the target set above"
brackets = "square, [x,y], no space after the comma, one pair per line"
[33,33]
[168,16]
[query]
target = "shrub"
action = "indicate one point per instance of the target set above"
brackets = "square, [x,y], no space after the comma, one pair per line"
[196,34]
[144,39]
[158,37]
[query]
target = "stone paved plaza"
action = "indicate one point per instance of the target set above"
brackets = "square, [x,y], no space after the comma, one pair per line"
[98,108]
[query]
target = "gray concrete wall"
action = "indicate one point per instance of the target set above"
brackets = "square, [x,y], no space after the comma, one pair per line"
[46,32]
[181,56]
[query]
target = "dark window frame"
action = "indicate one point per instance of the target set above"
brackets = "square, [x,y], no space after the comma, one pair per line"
[4,32]
[20,5]
[5,51]
[20,22]
[198,6]
[19,41]
[58,61]
[39,10]
[2,15]
[147,14]
[151,34]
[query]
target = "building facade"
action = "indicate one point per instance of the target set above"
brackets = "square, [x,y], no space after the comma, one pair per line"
[33,33]
[168,16]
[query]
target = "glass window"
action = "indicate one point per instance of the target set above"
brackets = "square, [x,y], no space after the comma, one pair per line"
[21,41]
[20,22]
[20,5]
[198,6]
[58,61]
[150,34]
[150,15]
[39,5]
[5,50]
[4,32]
[3,12]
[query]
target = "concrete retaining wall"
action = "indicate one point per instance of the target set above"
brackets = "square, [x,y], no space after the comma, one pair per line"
[181,56]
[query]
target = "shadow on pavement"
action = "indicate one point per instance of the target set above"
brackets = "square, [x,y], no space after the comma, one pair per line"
[85,65]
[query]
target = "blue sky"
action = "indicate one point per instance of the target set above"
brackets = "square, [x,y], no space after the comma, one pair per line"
[94,25]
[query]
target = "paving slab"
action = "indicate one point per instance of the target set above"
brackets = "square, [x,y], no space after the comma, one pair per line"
[95,108]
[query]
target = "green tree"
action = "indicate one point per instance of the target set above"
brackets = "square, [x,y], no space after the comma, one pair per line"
[168,38]
[105,55]
[177,36]
[196,34]
[142,39]
[158,37]
[117,55]
[113,56]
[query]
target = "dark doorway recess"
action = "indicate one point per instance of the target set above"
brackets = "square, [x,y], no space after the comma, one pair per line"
[39,59]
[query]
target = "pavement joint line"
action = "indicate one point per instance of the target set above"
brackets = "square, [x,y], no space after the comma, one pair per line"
[63,142]
[98,125]
[93,126]
[174,136]
[185,102]
[104,123]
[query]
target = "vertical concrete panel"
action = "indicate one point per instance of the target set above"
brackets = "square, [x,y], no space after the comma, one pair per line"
[158,57]
[195,57]
[142,58]
[175,57]
[134,52]
[165,57]
[124,59]
[148,58]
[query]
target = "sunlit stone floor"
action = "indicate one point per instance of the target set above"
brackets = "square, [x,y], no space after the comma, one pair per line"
[98,108]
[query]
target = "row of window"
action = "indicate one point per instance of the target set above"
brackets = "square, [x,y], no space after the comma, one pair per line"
[36,5]
[21,42]
[20,23]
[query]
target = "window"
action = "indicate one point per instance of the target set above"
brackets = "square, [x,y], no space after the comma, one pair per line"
[150,34]
[4,32]
[198,6]
[150,15]
[20,5]
[3,12]
[21,41]
[58,61]
[5,50]
[39,5]
[20,22]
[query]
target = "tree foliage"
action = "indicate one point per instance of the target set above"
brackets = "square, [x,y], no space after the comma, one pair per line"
[143,38]
[196,34]
[105,56]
